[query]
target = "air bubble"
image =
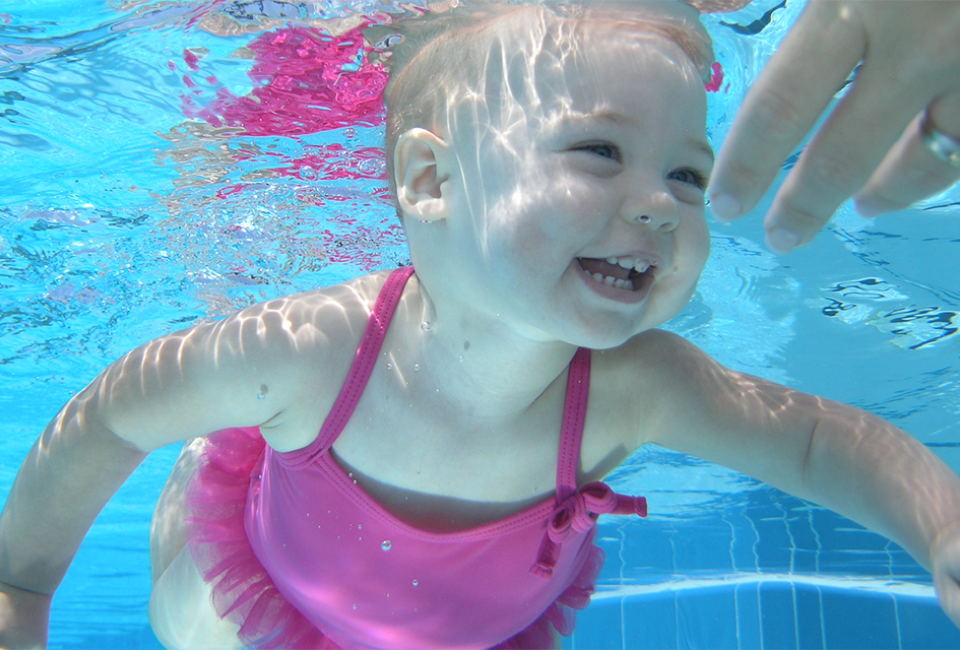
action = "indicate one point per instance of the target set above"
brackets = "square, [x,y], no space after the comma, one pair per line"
[372,167]
[359,526]
[354,606]
[389,41]
[416,582]
[416,367]
[389,366]
[262,393]
[386,545]
[426,326]
[461,358]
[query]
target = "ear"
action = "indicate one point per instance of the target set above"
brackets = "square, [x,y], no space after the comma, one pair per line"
[421,168]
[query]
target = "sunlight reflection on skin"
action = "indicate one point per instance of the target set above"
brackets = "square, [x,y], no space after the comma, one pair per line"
[267,361]
[535,80]
[153,375]
[867,442]
[157,368]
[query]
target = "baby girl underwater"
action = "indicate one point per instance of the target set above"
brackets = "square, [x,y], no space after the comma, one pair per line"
[414,459]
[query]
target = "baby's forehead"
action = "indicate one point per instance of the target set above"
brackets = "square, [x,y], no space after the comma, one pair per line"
[600,25]
[575,68]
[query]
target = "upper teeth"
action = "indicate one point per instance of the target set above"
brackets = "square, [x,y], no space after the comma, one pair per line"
[630,262]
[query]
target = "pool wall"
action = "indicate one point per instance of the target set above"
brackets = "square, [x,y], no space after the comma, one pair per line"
[765,613]
[725,562]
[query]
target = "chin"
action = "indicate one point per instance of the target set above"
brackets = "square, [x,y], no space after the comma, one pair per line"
[605,334]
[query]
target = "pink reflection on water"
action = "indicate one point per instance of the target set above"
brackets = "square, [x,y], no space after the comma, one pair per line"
[191,60]
[337,161]
[716,78]
[305,82]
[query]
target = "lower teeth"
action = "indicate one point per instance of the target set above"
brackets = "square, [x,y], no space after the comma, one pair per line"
[612,282]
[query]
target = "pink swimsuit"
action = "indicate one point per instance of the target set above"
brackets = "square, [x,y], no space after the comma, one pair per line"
[302,557]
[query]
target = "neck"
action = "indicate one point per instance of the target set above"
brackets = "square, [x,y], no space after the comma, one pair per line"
[474,363]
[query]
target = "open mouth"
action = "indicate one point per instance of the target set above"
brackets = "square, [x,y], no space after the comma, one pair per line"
[628,273]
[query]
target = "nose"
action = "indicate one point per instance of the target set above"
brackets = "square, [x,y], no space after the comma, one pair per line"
[651,205]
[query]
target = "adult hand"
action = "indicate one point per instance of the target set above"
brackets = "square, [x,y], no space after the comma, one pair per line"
[873,143]
[24,618]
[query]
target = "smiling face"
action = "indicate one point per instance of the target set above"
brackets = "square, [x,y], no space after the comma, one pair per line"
[576,203]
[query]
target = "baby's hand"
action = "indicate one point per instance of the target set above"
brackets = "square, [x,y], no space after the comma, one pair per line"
[945,558]
[24,618]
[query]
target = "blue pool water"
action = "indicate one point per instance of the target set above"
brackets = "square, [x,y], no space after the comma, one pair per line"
[126,214]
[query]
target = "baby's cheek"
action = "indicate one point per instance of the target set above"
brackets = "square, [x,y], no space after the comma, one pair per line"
[530,239]
[694,239]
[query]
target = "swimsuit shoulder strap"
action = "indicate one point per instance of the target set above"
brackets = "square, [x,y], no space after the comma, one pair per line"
[574,416]
[360,371]
[577,507]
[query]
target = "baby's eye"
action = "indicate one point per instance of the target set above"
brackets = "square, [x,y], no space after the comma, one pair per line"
[690,177]
[601,149]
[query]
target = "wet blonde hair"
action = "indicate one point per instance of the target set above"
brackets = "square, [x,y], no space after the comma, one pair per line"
[444,53]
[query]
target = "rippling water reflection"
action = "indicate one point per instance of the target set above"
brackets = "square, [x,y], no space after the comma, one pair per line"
[163,163]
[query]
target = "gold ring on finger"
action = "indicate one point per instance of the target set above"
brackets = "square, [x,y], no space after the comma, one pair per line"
[938,143]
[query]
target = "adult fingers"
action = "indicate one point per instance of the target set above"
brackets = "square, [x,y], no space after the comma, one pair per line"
[911,171]
[796,86]
[841,156]
[913,62]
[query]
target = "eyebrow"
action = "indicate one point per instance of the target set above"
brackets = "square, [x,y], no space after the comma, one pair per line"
[616,118]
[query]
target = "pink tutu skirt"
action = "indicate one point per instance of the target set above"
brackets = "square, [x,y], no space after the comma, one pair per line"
[216,500]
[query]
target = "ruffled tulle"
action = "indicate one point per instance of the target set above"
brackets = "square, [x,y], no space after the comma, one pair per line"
[216,500]
[563,612]
[242,591]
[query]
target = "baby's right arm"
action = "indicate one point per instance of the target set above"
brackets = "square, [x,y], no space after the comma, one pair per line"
[243,371]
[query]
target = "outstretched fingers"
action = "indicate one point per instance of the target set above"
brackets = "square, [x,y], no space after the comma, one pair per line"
[891,140]
[840,157]
[809,67]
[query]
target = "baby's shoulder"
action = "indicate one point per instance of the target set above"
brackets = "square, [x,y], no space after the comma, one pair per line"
[306,343]
[634,389]
[322,314]
[314,327]
[654,355]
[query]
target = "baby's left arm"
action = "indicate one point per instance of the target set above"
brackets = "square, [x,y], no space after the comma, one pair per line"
[832,454]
